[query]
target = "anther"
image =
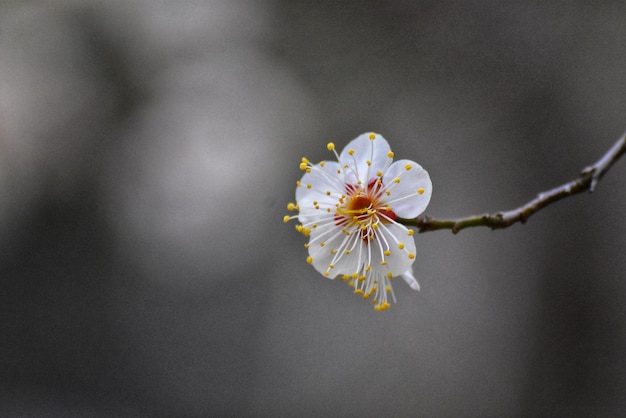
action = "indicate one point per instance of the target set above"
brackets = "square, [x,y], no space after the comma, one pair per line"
[286,218]
[407,167]
[372,136]
[390,154]
[411,256]
[351,151]
[420,191]
[309,260]
[400,245]
[330,146]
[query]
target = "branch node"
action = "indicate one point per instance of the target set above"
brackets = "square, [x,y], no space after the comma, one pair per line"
[588,171]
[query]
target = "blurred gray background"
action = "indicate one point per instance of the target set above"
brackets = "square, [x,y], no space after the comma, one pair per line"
[148,150]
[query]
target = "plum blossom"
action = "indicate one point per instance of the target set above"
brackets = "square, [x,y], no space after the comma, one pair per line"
[349,209]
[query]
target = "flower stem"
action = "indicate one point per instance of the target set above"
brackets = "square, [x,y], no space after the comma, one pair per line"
[587,181]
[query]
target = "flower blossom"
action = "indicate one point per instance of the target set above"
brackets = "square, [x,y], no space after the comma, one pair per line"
[348,209]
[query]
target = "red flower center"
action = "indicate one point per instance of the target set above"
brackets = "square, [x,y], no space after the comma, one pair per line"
[363,208]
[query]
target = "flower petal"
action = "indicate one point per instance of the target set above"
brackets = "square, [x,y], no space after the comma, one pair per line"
[327,248]
[359,152]
[318,190]
[409,188]
[410,279]
[394,239]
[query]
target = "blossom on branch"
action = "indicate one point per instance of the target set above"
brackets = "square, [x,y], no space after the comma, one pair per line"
[348,209]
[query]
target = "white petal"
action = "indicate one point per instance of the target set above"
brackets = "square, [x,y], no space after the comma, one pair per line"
[347,263]
[404,198]
[395,238]
[365,149]
[326,249]
[410,279]
[319,190]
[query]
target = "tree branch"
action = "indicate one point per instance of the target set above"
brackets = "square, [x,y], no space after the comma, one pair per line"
[588,180]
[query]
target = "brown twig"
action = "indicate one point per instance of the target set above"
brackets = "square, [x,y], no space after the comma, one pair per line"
[588,180]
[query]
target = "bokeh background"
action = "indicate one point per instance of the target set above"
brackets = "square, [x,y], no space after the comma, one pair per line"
[148,150]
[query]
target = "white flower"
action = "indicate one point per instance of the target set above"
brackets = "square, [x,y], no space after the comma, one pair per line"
[349,210]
